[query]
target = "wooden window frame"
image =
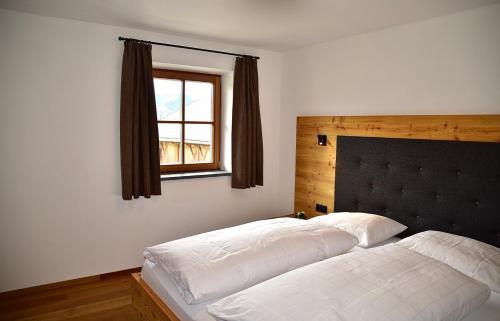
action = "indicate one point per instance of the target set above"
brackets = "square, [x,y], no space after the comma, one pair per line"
[194,76]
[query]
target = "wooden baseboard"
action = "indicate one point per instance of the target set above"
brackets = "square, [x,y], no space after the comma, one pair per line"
[62,284]
[149,306]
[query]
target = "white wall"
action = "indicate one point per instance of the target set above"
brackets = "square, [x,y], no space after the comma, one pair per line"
[447,65]
[61,212]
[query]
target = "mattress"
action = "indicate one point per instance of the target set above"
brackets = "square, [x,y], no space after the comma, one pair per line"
[163,285]
[165,288]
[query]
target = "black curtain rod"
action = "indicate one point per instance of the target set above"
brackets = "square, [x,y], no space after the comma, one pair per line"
[186,47]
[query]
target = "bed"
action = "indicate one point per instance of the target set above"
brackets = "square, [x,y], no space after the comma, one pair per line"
[426,185]
[152,288]
[192,272]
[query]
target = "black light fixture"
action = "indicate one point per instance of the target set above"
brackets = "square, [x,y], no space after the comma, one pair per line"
[322,140]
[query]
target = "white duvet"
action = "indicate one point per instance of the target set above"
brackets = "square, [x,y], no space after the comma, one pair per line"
[214,264]
[389,283]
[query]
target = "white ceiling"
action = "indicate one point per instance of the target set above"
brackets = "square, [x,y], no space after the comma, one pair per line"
[271,24]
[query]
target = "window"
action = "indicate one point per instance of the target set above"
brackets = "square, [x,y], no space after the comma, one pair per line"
[188,112]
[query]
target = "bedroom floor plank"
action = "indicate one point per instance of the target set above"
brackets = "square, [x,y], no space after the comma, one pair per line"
[107,297]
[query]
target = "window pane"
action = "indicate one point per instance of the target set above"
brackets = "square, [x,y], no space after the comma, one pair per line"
[168,95]
[170,143]
[198,143]
[199,101]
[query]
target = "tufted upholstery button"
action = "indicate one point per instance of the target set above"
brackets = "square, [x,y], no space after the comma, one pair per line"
[447,194]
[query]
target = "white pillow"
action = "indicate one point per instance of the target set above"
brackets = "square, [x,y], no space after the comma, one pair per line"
[475,259]
[370,229]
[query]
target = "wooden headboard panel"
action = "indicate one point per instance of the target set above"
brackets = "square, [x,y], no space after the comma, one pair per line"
[315,165]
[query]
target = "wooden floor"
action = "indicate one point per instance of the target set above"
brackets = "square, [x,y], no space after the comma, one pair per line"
[99,298]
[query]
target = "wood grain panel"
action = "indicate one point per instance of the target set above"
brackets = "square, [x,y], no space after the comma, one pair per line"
[149,305]
[315,165]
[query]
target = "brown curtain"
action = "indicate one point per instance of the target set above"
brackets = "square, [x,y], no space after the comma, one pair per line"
[246,139]
[140,157]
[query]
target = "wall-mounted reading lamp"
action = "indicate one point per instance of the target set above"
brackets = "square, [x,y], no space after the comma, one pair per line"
[322,140]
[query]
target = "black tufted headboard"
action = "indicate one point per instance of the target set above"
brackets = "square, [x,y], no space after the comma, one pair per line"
[447,186]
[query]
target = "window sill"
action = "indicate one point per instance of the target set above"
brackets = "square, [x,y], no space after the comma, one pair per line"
[188,175]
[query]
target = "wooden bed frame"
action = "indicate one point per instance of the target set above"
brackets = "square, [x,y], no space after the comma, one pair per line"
[149,306]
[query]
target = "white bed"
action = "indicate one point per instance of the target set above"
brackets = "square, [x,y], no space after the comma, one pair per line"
[456,272]
[215,264]
[164,287]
